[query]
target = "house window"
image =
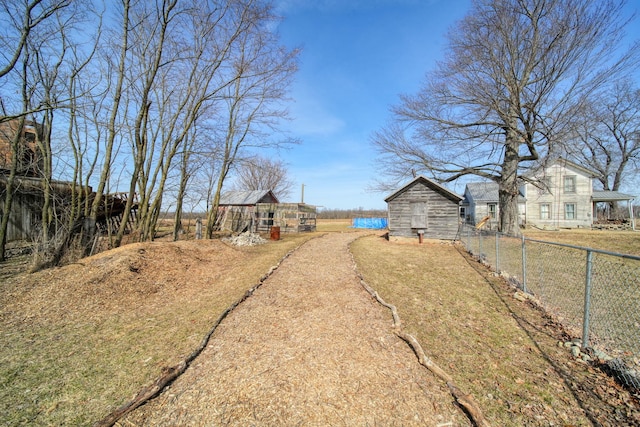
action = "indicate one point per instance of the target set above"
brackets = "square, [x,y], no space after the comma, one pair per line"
[418,215]
[545,211]
[570,211]
[570,184]
[492,209]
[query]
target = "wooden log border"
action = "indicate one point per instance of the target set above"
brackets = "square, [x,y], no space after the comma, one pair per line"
[466,401]
[170,374]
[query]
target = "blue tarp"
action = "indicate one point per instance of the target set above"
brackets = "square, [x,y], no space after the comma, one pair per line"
[372,223]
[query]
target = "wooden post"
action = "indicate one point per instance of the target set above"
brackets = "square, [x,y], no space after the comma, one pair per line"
[198,229]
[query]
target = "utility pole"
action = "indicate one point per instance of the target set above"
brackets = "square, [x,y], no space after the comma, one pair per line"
[302,201]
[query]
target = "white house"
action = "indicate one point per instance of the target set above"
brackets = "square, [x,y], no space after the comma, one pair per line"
[559,195]
[481,201]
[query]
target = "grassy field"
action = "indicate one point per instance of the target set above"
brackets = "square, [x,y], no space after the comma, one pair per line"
[324,225]
[80,340]
[626,242]
[502,352]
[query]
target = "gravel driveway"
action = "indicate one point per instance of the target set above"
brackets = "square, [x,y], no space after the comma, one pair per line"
[310,347]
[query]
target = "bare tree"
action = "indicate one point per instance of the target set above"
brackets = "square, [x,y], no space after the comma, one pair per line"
[515,74]
[113,95]
[155,89]
[18,19]
[261,71]
[608,135]
[26,29]
[260,173]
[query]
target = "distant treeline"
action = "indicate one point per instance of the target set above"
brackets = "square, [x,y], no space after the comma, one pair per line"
[322,214]
[351,213]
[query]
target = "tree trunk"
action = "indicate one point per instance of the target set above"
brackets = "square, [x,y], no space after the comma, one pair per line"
[508,189]
[9,188]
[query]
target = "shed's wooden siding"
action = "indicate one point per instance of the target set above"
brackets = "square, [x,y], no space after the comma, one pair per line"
[290,217]
[259,218]
[442,212]
[26,209]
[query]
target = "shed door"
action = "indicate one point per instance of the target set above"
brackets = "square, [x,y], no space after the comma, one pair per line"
[418,214]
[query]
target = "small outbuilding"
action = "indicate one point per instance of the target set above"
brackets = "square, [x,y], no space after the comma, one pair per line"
[259,210]
[237,209]
[424,208]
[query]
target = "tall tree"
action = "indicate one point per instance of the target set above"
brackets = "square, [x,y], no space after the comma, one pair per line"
[261,71]
[515,74]
[25,27]
[116,67]
[261,173]
[608,135]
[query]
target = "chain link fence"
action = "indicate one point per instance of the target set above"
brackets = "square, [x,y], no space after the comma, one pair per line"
[594,294]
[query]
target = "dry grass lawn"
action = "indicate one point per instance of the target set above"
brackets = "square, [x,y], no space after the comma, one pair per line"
[80,340]
[501,350]
[626,242]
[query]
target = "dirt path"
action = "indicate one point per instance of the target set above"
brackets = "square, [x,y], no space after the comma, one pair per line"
[310,347]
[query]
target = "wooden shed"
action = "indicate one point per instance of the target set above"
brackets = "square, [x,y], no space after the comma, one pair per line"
[424,207]
[257,211]
[290,217]
[237,209]
[26,210]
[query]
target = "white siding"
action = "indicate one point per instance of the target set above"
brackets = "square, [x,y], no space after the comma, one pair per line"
[556,198]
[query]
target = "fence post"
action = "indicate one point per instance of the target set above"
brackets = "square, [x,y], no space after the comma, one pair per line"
[524,265]
[497,252]
[587,300]
[468,239]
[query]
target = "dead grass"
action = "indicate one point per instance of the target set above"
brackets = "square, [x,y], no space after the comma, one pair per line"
[309,347]
[332,225]
[82,339]
[626,242]
[473,329]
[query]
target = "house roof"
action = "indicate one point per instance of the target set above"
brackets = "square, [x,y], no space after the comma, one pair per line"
[481,191]
[564,162]
[246,198]
[610,196]
[429,183]
[569,163]
[486,192]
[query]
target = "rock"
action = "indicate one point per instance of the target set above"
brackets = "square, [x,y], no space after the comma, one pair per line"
[575,351]
[520,296]
[246,239]
[601,355]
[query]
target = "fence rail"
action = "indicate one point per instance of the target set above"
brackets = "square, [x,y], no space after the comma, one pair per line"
[595,294]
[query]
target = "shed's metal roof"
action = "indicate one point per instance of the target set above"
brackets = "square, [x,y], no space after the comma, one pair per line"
[241,198]
[482,191]
[430,183]
[485,192]
[610,196]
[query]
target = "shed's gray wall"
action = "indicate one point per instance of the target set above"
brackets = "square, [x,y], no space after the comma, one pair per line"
[442,213]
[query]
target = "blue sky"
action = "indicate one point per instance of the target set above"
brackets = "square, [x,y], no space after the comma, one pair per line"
[357,57]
